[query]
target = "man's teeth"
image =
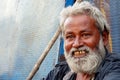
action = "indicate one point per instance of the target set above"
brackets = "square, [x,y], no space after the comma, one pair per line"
[79,52]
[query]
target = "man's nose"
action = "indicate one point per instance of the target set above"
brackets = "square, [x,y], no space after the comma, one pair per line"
[78,43]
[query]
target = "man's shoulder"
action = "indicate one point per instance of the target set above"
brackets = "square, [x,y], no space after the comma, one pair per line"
[110,65]
[113,57]
[59,70]
[62,66]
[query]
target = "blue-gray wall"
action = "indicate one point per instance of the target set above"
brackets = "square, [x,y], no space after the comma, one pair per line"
[26,27]
[115,24]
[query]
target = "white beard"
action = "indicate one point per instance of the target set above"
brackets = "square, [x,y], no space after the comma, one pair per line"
[88,64]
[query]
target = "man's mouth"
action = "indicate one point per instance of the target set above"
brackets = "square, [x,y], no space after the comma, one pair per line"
[79,53]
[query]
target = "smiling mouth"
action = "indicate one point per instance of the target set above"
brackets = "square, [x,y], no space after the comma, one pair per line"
[79,53]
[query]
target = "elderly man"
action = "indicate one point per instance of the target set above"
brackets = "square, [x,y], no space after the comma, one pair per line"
[85,32]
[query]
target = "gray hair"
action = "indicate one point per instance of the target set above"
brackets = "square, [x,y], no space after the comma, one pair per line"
[85,8]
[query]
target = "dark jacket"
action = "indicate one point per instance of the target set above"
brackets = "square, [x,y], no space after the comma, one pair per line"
[108,70]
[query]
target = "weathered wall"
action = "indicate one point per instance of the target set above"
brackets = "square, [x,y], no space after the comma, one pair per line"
[26,26]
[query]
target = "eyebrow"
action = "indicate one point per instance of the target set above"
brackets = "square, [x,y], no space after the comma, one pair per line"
[68,33]
[82,31]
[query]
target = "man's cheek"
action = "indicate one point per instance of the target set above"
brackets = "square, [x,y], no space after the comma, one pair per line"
[67,48]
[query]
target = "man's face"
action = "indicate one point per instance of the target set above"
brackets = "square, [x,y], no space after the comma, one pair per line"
[82,39]
[80,31]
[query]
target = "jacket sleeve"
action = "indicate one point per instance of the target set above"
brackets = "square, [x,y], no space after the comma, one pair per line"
[112,76]
[51,75]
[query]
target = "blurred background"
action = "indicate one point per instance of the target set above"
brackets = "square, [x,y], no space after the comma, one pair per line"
[26,27]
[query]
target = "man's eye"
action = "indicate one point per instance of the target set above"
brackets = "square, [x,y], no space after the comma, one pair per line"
[69,37]
[86,35]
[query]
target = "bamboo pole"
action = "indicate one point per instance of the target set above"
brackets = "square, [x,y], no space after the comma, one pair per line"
[45,52]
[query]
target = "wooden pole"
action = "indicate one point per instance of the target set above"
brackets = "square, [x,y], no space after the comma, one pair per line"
[45,52]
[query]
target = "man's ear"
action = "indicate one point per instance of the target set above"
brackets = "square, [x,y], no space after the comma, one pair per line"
[105,36]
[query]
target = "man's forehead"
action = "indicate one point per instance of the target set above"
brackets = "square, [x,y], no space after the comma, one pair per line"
[78,19]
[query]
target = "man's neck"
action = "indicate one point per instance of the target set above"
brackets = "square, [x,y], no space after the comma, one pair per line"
[83,76]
